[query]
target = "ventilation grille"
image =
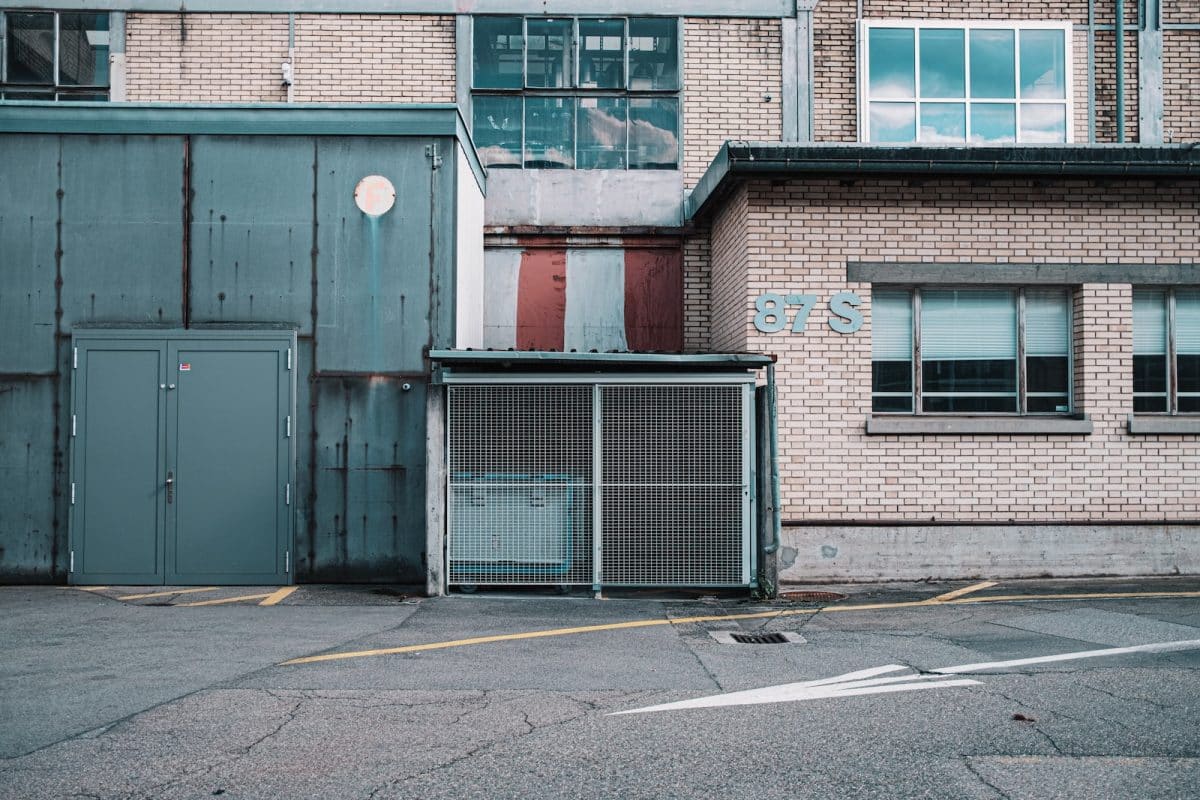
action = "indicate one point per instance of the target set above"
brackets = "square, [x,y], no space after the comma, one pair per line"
[673,488]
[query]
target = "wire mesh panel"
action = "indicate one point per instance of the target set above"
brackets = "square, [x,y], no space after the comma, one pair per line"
[520,488]
[675,485]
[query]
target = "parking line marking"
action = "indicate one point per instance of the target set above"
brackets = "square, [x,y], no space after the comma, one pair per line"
[225,600]
[653,623]
[275,597]
[978,587]
[85,588]
[166,594]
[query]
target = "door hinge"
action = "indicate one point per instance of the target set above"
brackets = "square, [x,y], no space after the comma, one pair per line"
[72,492]
[287,494]
[287,561]
[72,424]
[289,426]
[289,358]
[72,567]
[75,358]
[431,152]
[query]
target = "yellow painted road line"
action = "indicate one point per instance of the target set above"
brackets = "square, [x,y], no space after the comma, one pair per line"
[978,587]
[166,594]
[275,597]
[1013,598]
[225,600]
[85,588]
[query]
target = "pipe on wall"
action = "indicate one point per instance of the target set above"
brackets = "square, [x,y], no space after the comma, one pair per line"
[1119,25]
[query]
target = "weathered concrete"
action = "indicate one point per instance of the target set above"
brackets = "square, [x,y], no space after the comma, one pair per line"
[869,553]
[597,197]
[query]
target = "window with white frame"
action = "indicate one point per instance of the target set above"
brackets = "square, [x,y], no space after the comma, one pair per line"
[960,82]
[1166,350]
[49,55]
[582,93]
[971,350]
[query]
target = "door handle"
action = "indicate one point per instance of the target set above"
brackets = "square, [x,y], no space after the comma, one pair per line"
[170,487]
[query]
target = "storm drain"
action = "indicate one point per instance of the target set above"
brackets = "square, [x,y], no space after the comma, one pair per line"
[773,637]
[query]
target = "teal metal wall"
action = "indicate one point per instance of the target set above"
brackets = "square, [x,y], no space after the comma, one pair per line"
[197,218]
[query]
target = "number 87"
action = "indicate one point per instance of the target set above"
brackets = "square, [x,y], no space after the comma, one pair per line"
[771,317]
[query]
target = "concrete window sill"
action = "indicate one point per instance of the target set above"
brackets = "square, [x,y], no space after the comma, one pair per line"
[928,425]
[1151,424]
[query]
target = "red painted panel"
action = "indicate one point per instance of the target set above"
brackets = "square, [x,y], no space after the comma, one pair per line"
[654,300]
[541,299]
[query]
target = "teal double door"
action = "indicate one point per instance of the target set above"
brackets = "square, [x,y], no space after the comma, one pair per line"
[182,457]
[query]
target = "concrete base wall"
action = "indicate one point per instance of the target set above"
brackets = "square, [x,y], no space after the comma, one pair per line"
[868,553]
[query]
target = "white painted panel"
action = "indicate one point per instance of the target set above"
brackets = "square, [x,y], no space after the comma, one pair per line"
[468,328]
[595,316]
[502,268]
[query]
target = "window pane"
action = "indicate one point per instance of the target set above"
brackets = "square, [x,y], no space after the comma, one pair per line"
[496,129]
[1047,322]
[602,126]
[892,55]
[602,53]
[30,48]
[993,122]
[79,97]
[1187,346]
[1043,122]
[893,122]
[1149,350]
[892,405]
[889,377]
[653,133]
[548,59]
[26,95]
[993,57]
[1043,64]
[498,52]
[550,132]
[891,325]
[943,63]
[83,49]
[653,54]
[943,122]
[969,347]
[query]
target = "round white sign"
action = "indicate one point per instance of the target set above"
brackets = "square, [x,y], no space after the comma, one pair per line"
[375,195]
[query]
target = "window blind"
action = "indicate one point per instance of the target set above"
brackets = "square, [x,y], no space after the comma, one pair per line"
[968,324]
[1149,322]
[891,325]
[1047,322]
[1187,322]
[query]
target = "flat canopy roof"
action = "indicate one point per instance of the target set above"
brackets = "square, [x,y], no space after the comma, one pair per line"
[548,360]
[738,161]
[241,119]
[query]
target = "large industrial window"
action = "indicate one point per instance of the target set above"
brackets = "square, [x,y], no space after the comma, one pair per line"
[976,350]
[1166,351]
[53,56]
[977,82]
[583,93]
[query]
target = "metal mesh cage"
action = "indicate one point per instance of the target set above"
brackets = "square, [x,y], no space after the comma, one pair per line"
[520,470]
[667,464]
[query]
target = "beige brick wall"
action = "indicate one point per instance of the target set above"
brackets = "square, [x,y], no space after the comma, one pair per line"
[729,67]
[697,289]
[798,238]
[339,58]
[1181,84]
[205,58]
[362,58]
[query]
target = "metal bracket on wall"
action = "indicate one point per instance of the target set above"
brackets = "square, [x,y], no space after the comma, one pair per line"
[431,152]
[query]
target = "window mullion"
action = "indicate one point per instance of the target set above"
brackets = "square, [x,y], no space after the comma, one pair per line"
[918,403]
[54,77]
[967,80]
[1022,378]
[1172,357]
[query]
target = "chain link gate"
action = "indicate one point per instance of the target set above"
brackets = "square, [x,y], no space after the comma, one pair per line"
[600,483]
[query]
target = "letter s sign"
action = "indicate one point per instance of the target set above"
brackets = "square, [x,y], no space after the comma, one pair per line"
[845,305]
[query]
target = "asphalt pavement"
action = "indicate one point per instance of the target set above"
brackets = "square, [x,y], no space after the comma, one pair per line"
[1016,689]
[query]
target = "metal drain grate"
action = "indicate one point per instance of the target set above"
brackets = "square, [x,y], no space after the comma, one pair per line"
[812,597]
[759,638]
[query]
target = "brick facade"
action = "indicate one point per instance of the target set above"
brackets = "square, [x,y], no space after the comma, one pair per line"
[732,86]
[338,58]
[798,237]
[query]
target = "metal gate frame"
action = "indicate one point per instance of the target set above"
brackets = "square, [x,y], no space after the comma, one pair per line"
[599,381]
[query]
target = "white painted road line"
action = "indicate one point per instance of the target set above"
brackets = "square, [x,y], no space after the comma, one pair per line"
[866,681]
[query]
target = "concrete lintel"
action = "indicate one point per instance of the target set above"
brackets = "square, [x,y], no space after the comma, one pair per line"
[950,551]
[1057,274]
[662,8]
[925,425]
[1149,425]
[599,197]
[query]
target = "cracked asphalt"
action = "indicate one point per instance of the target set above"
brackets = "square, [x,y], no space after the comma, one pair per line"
[103,698]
